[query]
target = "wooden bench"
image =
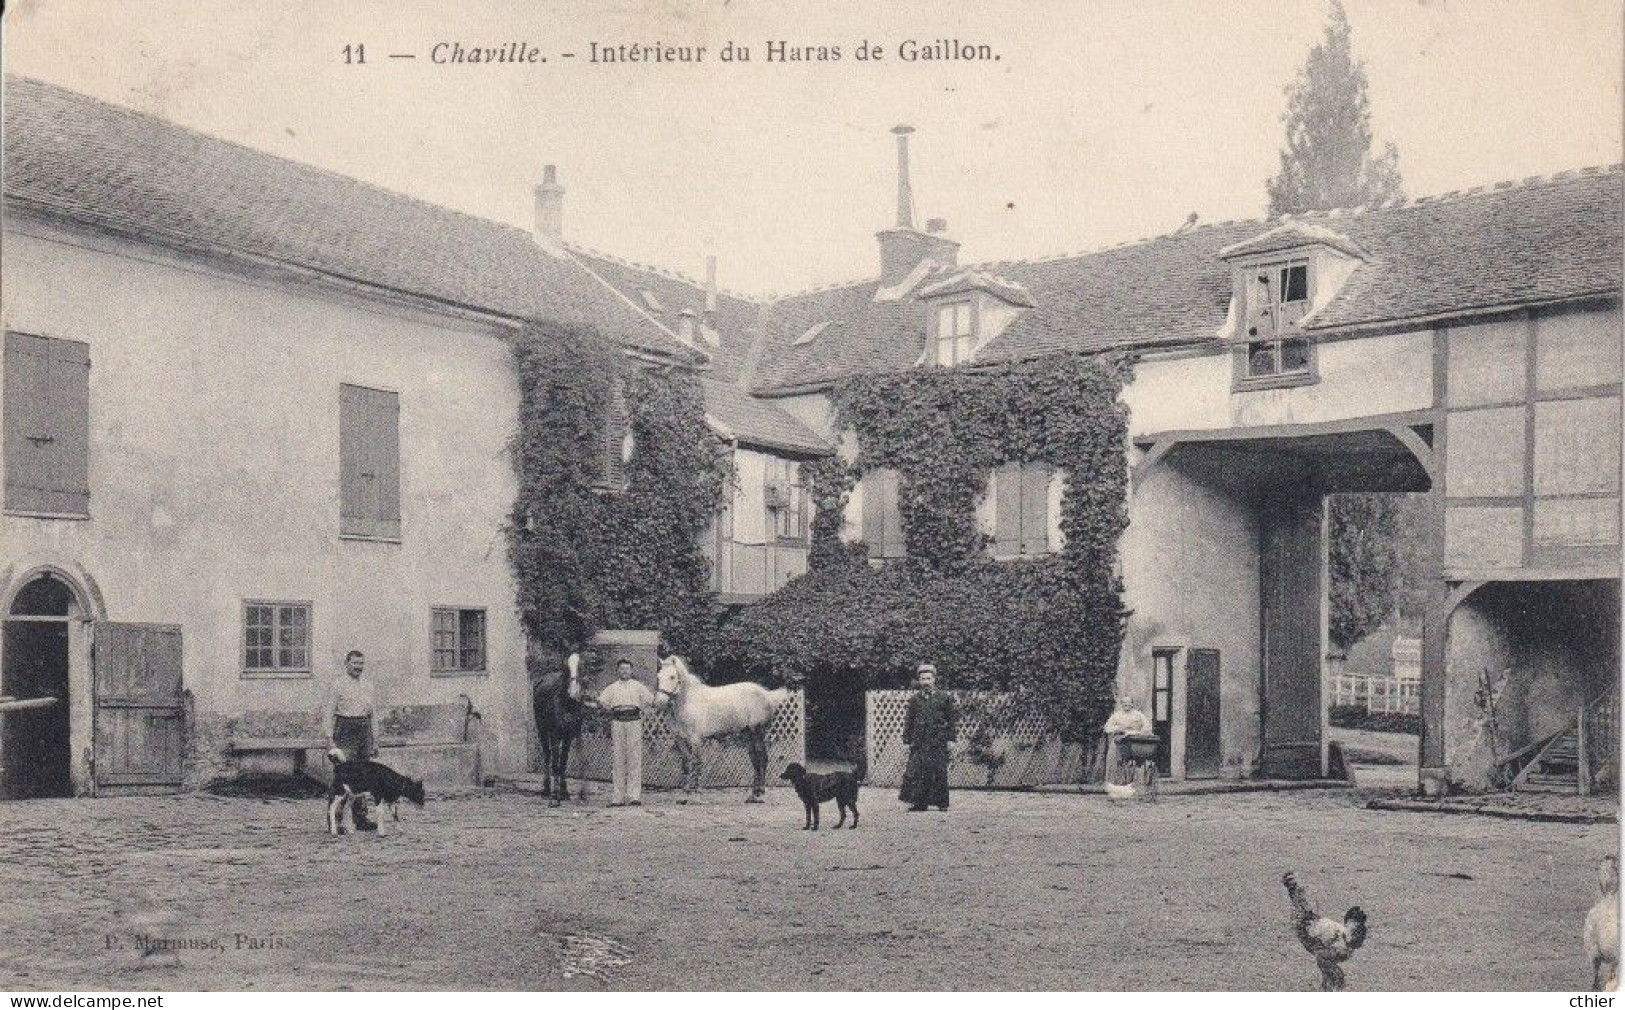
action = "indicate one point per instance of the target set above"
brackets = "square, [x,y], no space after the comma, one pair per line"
[271,733]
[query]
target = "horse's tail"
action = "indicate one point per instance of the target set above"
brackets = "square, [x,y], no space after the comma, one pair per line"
[775,697]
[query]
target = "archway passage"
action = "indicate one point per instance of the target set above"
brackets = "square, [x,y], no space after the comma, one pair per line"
[1250,570]
[35,752]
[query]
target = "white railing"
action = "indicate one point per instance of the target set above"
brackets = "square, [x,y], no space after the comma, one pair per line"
[1377,694]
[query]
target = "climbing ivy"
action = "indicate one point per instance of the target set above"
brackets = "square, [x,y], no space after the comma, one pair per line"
[585,558]
[1048,629]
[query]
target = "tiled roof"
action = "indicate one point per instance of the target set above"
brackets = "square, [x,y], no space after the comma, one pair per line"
[737,317]
[1293,234]
[1542,240]
[72,155]
[736,414]
[972,279]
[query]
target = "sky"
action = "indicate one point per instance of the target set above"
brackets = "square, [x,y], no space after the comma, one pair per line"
[1100,122]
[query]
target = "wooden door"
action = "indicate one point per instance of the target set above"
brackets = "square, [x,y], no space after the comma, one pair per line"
[139,722]
[1202,714]
[1290,564]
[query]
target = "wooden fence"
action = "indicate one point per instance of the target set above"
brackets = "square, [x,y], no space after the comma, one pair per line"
[1377,693]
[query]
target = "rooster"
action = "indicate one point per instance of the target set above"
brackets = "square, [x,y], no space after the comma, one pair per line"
[1602,928]
[1330,941]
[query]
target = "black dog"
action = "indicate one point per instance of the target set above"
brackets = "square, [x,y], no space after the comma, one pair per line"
[352,778]
[842,787]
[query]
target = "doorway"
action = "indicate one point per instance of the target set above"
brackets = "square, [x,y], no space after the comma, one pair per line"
[1202,714]
[35,746]
[837,717]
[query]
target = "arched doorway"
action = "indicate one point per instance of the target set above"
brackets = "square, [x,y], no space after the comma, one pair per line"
[35,747]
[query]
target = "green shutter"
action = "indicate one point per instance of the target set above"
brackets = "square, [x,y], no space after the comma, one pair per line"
[354,510]
[1007,510]
[70,409]
[386,454]
[47,425]
[874,514]
[1035,508]
[894,516]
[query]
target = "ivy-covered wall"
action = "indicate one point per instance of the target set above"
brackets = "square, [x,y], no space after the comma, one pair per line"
[1048,629]
[586,558]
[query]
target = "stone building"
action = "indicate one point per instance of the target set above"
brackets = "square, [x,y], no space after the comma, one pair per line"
[256,416]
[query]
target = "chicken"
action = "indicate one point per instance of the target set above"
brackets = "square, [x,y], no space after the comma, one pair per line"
[1602,928]
[1331,942]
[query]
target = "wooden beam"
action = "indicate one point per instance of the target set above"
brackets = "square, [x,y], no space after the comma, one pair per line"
[1341,426]
[1153,455]
[1407,437]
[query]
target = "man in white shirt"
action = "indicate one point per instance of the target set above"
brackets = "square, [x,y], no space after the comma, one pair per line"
[348,718]
[625,701]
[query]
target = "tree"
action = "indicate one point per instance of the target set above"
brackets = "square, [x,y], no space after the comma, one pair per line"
[1327,161]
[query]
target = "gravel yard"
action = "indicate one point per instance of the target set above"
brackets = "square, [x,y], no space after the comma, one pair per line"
[1007,890]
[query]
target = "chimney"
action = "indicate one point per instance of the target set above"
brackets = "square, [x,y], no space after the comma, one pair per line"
[903,247]
[550,208]
[905,195]
[710,290]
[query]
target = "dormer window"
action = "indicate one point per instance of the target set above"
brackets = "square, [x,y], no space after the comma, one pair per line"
[956,333]
[1277,299]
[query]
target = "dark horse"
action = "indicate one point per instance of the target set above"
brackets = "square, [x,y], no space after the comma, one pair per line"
[556,702]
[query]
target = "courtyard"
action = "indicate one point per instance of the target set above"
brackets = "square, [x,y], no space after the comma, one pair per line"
[494,890]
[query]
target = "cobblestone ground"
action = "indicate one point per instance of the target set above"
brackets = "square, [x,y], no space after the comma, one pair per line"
[1014,890]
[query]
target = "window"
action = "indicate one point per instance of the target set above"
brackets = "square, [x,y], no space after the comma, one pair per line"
[47,426]
[369,463]
[458,640]
[882,520]
[276,639]
[1277,357]
[956,333]
[1021,509]
[786,500]
[1277,298]
[1162,685]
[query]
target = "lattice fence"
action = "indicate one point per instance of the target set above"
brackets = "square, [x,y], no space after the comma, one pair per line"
[994,746]
[723,763]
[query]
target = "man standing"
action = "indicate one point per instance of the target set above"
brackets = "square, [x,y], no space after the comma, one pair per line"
[350,710]
[348,721]
[928,730]
[625,700]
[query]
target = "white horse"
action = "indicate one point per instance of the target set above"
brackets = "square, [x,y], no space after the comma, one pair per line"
[700,712]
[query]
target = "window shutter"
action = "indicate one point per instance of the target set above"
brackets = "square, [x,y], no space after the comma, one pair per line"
[386,451]
[894,516]
[1035,508]
[27,420]
[70,408]
[47,425]
[354,519]
[615,426]
[874,513]
[1007,510]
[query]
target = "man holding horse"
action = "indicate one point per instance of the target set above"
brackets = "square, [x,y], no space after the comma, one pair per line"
[625,700]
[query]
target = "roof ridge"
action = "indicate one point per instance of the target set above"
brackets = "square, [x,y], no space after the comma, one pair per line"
[666,272]
[125,110]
